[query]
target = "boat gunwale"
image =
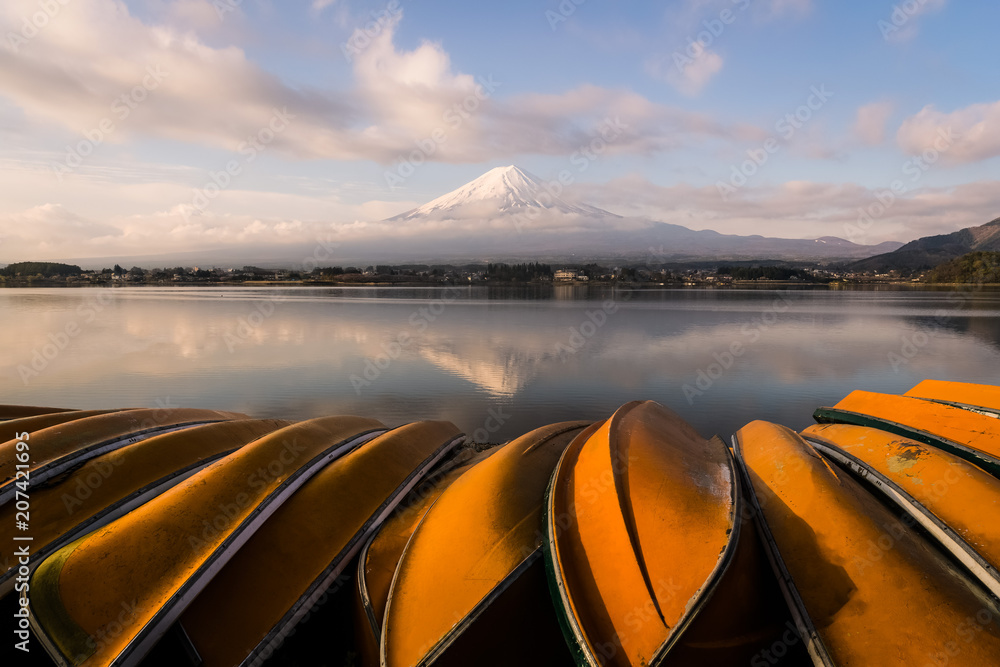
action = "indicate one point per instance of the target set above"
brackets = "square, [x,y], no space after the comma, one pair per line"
[110,513]
[318,588]
[151,632]
[793,599]
[477,611]
[447,467]
[968,407]
[126,503]
[61,464]
[978,457]
[566,612]
[573,634]
[480,608]
[946,537]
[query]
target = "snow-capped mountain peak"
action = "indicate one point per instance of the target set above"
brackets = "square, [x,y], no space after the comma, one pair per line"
[500,191]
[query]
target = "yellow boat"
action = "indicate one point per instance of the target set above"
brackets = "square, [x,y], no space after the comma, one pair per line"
[140,572]
[21,411]
[972,436]
[60,448]
[865,588]
[960,394]
[108,486]
[642,525]
[956,502]
[251,606]
[380,555]
[469,588]
[14,429]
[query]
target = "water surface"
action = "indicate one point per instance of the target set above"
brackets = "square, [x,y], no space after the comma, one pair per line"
[496,361]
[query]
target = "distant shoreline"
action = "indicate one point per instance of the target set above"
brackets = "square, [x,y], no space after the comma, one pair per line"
[736,284]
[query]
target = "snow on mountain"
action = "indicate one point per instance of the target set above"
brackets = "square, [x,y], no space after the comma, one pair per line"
[498,192]
[511,213]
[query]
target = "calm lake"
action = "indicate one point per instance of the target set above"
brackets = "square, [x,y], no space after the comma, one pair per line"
[496,361]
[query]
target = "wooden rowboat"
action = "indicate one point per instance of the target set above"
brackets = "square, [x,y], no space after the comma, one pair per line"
[108,486]
[380,555]
[956,502]
[60,448]
[982,397]
[968,435]
[152,562]
[642,525]
[251,606]
[865,588]
[467,570]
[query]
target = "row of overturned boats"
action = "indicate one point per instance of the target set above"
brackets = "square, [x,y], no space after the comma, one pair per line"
[197,537]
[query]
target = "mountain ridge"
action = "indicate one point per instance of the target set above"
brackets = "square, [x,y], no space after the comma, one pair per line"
[930,251]
[510,198]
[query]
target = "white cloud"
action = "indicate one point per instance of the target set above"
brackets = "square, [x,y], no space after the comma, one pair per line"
[800,209]
[93,53]
[687,72]
[870,122]
[319,5]
[967,135]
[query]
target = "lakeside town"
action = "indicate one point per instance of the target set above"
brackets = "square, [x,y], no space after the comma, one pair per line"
[48,274]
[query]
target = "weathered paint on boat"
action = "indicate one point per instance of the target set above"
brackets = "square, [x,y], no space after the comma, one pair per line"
[960,394]
[956,502]
[468,552]
[642,523]
[865,588]
[380,555]
[141,571]
[252,604]
[59,448]
[106,487]
[969,435]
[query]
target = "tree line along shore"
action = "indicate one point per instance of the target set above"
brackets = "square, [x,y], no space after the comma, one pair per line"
[974,268]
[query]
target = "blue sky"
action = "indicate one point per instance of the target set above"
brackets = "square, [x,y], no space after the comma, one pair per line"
[701,86]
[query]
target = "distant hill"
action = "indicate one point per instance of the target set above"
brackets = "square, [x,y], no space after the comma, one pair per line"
[930,251]
[976,267]
[46,269]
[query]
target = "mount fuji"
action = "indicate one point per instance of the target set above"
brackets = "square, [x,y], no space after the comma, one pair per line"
[498,192]
[508,213]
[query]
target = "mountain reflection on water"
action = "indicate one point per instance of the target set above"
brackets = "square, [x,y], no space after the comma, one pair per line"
[520,356]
